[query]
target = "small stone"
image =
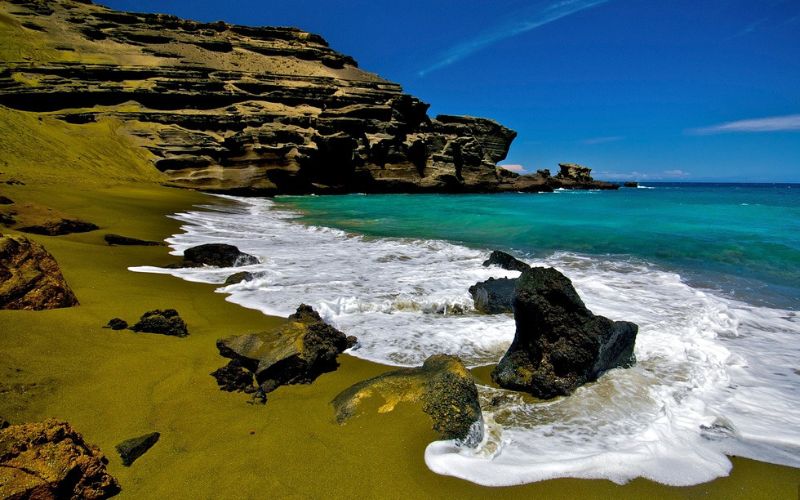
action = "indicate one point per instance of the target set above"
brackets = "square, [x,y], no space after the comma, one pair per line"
[117,324]
[131,449]
[165,322]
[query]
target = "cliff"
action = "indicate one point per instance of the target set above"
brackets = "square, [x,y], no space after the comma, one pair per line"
[244,110]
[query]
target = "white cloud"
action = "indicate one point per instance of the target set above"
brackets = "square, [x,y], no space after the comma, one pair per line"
[767,124]
[524,21]
[643,176]
[514,168]
[601,140]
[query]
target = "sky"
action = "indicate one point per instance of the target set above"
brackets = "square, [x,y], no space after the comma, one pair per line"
[678,90]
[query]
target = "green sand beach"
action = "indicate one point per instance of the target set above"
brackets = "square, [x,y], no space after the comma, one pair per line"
[113,385]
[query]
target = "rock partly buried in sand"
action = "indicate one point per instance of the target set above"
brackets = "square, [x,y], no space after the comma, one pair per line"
[165,322]
[295,353]
[218,255]
[49,460]
[233,377]
[239,277]
[442,385]
[116,239]
[6,201]
[117,324]
[506,261]
[4,423]
[131,449]
[494,296]
[7,218]
[60,227]
[559,344]
[30,277]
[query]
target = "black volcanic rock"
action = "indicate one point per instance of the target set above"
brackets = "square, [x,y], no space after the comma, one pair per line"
[217,254]
[559,344]
[59,227]
[116,239]
[165,322]
[494,296]
[131,449]
[506,261]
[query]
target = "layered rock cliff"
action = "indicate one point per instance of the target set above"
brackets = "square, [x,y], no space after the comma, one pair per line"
[239,109]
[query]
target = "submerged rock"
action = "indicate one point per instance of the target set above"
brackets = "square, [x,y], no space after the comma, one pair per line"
[559,344]
[217,254]
[131,449]
[60,227]
[442,385]
[116,239]
[165,322]
[506,261]
[239,277]
[50,460]
[30,277]
[494,296]
[296,353]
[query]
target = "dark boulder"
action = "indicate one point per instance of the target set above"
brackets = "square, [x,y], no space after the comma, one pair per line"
[295,353]
[494,296]
[117,324]
[6,201]
[131,449]
[4,423]
[60,227]
[30,277]
[217,254]
[116,239]
[166,322]
[50,460]
[239,277]
[559,344]
[506,261]
[631,184]
[442,386]
[235,378]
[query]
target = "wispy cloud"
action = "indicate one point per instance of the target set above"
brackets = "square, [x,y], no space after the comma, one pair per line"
[523,21]
[643,176]
[767,124]
[601,140]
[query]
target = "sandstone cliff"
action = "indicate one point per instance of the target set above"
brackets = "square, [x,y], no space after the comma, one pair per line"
[239,109]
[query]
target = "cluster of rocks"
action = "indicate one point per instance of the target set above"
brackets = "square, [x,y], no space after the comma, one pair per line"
[559,344]
[164,322]
[245,110]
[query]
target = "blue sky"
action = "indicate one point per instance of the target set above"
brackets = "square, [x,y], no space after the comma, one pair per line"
[646,89]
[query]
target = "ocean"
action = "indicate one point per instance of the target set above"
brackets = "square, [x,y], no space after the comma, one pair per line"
[709,272]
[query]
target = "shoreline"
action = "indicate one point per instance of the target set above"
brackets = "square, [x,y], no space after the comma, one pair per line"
[113,385]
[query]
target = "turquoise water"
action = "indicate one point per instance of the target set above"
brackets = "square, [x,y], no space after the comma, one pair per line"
[743,240]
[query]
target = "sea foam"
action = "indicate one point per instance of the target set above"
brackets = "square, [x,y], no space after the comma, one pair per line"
[713,376]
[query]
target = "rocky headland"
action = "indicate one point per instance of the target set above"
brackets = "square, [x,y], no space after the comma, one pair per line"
[245,110]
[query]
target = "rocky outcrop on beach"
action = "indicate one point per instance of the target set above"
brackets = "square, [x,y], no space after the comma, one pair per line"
[218,255]
[442,386]
[50,460]
[246,110]
[59,227]
[30,277]
[506,261]
[559,344]
[296,353]
[164,322]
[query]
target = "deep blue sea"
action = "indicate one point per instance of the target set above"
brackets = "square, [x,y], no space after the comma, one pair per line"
[743,239]
[709,272]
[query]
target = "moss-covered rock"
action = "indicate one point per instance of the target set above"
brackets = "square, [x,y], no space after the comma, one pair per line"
[442,386]
[50,460]
[30,277]
[296,353]
[133,448]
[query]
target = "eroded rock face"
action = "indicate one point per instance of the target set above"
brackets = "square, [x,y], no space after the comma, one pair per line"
[442,386]
[296,353]
[559,344]
[217,254]
[30,277]
[50,460]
